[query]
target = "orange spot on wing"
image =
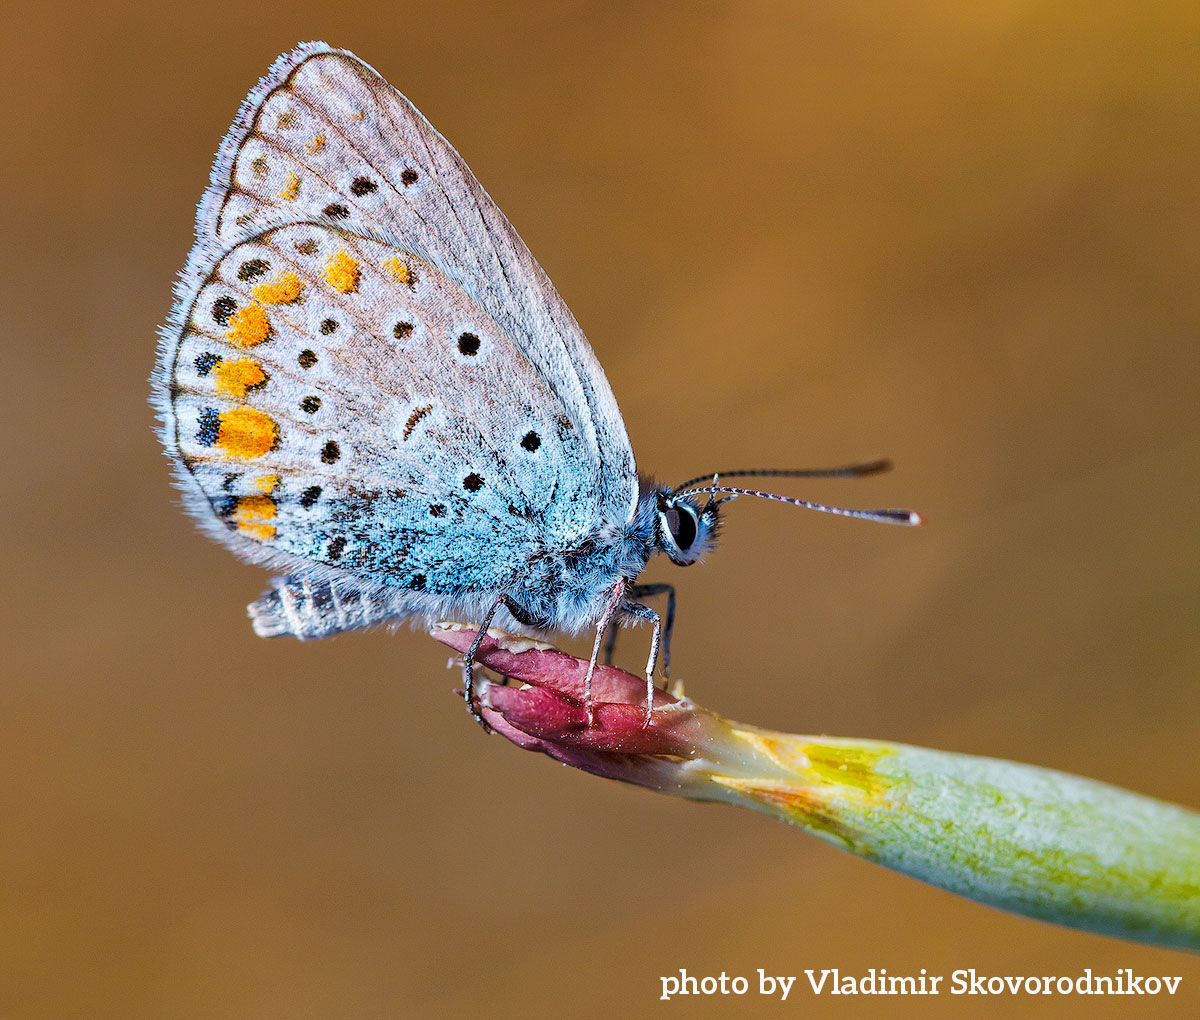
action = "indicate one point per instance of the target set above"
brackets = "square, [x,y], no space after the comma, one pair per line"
[253,514]
[292,188]
[281,291]
[249,326]
[247,433]
[268,483]
[315,144]
[235,378]
[400,272]
[342,272]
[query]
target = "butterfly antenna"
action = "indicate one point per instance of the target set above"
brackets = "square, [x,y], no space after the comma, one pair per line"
[908,517]
[870,467]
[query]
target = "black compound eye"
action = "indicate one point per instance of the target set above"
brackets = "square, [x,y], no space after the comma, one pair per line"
[681,520]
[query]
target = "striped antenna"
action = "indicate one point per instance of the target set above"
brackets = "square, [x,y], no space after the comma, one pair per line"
[906,517]
[870,467]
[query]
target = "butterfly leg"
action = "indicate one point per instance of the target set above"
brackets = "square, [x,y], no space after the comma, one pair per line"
[521,615]
[644,612]
[643,591]
[620,603]
[610,644]
[611,608]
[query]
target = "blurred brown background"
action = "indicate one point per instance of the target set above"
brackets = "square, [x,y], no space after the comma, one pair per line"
[963,236]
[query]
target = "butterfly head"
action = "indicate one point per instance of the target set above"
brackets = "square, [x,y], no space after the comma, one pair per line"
[687,528]
[688,517]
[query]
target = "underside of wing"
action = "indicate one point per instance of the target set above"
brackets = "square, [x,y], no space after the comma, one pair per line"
[335,400]
[324,138]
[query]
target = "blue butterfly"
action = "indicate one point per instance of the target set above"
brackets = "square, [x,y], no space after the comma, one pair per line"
[369,384]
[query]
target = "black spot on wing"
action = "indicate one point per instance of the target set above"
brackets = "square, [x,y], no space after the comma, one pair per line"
[222,309]
[252,269]
[206,362]
[208,426]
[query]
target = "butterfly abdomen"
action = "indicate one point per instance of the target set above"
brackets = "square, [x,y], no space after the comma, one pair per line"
[307,607]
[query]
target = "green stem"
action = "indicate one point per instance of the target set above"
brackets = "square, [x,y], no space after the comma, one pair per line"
[1031,840]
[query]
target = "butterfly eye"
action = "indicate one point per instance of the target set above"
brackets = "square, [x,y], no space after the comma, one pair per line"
[681,522]
[678,530]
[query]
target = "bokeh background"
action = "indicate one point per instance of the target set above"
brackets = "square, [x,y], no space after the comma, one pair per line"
[966,236]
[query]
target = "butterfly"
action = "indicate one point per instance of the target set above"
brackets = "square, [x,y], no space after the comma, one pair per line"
[368,384]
